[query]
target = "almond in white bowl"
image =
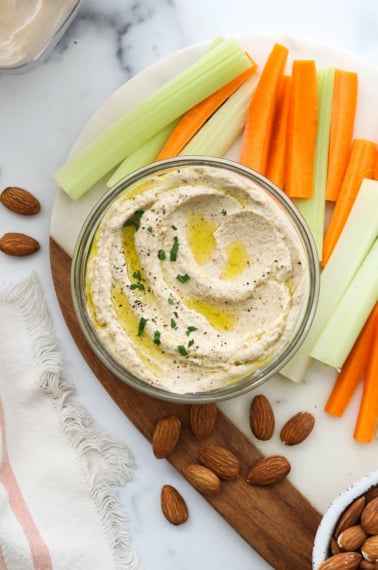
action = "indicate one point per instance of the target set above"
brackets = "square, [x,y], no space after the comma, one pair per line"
[349,510]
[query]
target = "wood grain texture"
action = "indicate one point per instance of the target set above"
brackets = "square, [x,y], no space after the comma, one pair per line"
[277,521]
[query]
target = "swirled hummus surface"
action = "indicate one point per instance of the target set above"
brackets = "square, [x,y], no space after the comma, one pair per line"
[195,278]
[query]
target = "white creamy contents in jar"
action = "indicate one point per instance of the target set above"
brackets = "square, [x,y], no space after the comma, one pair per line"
[195,279]
[26,27]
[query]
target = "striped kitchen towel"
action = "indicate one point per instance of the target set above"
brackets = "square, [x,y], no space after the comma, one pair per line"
[58,471]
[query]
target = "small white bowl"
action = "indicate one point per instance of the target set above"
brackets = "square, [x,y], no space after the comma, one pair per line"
[336,508]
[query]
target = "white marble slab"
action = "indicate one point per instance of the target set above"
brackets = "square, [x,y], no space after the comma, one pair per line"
[41,114]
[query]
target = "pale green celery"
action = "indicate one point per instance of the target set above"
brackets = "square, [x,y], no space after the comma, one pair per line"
[216,67]
[351,249]
[313,209]
[217,135]
[144,154]
[346,322]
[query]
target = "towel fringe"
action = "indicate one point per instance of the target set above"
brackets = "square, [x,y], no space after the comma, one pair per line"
[104,461]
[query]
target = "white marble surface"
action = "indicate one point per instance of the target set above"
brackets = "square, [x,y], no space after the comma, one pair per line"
[41,114]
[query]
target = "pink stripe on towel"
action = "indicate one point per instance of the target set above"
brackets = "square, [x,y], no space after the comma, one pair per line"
[38,548]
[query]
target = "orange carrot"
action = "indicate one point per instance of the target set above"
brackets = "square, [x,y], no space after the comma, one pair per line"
[360,166]
[375,170]
[368,412]
[353,369]
[342,126]
[258,128]
[193,120]
[276,160]
[302,130]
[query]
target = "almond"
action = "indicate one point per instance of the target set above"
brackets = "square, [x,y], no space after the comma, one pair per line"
[351,538]
[333,546]
[371,494]
[20,201]
[365,565]
[173,505]
[202,478]
[269,470]
[369,517]
[350,516]
[297,428]
[220,460]
[202,419]
[18,244]
[165,436]
[369,549]
[261,417]
[342,561]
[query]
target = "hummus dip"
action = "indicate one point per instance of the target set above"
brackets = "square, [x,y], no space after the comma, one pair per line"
[195,278]
[27,26]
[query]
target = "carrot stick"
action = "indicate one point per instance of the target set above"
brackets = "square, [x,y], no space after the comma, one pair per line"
[276,160]
[258,128]
[342,126]
[360,166]
[375,169]
[368,412]
[193,119]
[302,130]
[353,369]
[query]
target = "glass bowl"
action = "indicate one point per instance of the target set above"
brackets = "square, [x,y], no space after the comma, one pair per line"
[32,30]
[213,279]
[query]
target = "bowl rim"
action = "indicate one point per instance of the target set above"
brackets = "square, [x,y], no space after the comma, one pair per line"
[334,511]
[83,244]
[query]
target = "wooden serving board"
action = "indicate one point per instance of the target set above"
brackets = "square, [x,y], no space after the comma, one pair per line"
[277,520]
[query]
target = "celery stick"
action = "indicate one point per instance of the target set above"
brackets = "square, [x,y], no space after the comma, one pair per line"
[345,324]
[144,154]
[313,209]
[217,135]
[215,68]
[351,248]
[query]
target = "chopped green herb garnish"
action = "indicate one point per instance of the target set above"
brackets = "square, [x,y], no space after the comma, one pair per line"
[183,278]
[173,324]
[157,337]
[182,350]
[190,343]
[149,229]
[134,220]
[139,286]
[137,275]
[174,249]
[173,227]
[224,212]
[190,330]
[171,301]
[161,254]
[142,324]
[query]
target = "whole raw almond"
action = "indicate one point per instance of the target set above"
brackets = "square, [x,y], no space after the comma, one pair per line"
[165,436]
[222,461]
[369,548]
[297,428]
[173,506]
[344,560]
[202,478]
[351,538]
[18,244]
[202,419]
[350,516]
[261,417]
[369,517]
[269,470]
[20,201]
[365,565]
